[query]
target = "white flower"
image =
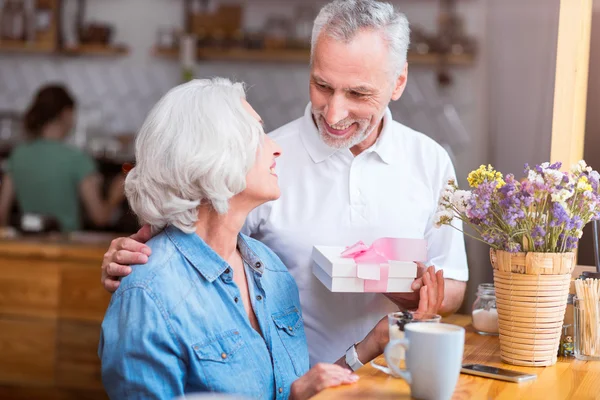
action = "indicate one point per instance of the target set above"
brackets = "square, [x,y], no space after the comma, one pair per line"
[580,167]
[554,177]
[562,196]
[595,175]
[460,200]
[534,177]
[579,233]
[443,217]
[545,166]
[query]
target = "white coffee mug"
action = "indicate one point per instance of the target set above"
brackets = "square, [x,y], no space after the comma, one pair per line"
[434,354]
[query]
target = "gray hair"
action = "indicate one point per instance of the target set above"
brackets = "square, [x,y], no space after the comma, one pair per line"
[196,146]
[342,19]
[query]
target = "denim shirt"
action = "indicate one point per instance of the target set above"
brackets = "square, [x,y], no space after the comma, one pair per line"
[177,325]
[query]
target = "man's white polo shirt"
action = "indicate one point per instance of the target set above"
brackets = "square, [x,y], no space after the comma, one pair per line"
[330,197]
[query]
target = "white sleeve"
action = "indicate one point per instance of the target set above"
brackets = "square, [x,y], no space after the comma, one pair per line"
[446,245]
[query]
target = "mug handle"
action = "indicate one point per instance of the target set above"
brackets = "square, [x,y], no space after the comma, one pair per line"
[392,364]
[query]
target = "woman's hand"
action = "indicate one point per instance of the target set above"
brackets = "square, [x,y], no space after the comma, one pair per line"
[320,377]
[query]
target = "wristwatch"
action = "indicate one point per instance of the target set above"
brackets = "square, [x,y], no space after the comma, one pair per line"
[352,358]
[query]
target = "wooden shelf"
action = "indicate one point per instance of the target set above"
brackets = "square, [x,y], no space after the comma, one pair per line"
[242,55]
[83,50]
[14,46]
[96,50]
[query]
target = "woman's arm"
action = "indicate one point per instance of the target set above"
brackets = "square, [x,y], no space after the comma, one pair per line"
[99,210]
[141,358]
[7,195]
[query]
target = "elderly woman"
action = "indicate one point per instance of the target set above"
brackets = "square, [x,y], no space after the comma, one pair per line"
[213,310]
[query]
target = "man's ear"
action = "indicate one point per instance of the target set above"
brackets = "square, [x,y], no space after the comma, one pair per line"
[400,83]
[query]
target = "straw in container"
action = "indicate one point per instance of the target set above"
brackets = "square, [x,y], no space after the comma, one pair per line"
[586,307]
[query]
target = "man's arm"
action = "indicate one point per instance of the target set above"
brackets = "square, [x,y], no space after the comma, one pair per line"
[122,253]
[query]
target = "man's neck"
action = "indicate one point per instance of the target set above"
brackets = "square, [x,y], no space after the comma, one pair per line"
[369,141]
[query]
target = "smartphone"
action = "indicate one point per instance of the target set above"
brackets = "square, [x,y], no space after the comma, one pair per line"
[496,373]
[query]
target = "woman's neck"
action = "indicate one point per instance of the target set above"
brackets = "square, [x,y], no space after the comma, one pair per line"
[52,131]
[220,231]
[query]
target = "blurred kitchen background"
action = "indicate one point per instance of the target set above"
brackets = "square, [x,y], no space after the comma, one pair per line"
[481,80]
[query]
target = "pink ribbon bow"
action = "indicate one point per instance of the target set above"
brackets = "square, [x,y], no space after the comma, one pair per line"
[372,262]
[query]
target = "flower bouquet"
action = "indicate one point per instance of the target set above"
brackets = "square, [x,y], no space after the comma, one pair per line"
[532,226]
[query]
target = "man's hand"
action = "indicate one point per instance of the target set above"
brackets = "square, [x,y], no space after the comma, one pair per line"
[123,252]
[320,377]
[428,292]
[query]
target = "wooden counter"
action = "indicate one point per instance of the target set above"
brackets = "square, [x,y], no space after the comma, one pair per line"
[51,307]
[568,379]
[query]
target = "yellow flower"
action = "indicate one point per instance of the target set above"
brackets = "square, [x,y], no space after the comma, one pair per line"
[485,174]
[583,185]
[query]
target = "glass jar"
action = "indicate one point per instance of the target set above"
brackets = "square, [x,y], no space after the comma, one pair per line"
[485,313]
[587,328]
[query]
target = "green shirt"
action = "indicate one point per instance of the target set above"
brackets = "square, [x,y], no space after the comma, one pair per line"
[47,175]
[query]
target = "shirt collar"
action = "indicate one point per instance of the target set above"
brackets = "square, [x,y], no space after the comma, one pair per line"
[204,259]
[385,145]
[319,151]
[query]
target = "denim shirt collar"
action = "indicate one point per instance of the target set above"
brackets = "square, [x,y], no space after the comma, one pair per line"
[204,259]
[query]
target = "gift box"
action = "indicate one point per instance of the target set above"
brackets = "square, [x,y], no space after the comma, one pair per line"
[387,266]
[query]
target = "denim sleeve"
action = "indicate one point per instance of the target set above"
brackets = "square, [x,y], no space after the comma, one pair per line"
[141,358]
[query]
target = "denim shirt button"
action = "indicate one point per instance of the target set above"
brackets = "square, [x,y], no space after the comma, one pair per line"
[290,328]
[227,271]
[280,390]
[236,299]
[259,297]
[258,265]
[223,356]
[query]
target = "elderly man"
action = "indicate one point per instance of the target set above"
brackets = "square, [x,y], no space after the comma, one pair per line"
[349,172]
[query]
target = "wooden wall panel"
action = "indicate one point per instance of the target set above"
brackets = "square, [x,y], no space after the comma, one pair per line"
[29,288]
[82,297]
[27,351]
[77,363]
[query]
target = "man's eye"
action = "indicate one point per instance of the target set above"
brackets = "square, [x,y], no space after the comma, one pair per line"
[357,94]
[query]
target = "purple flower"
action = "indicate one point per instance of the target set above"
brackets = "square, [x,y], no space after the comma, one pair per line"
[538,234]
[559,215]
[569,242]
[575,223]
[538,231]
[513,247]
[556,165]
[480,202]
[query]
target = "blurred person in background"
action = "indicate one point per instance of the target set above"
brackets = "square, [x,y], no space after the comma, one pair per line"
[47,176]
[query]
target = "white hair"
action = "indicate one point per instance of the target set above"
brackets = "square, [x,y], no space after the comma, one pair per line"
[196,146]
[343,19]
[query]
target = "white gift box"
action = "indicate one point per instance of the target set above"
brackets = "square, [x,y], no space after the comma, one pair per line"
[340,274]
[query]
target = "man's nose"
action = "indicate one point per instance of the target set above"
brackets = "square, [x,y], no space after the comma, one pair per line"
[336,110]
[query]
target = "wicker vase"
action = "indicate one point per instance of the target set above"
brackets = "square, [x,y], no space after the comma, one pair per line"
[531,296]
